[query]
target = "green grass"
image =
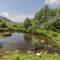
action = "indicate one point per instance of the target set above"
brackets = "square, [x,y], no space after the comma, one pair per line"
[30,56]
[54,35]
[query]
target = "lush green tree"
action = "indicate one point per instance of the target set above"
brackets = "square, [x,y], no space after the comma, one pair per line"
[47,18]
[43,14]
[56,25]
[2,25]
[27,23]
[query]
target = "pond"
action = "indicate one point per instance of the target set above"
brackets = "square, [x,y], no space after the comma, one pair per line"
[17,41]
[23,41]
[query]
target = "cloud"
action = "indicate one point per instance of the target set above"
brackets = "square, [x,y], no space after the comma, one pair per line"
[20,18]
[52,1]
[5,14]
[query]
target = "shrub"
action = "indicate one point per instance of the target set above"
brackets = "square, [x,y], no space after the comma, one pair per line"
[17,58]
[55,35]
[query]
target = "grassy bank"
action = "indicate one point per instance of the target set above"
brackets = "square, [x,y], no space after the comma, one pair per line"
[53,35]
[28,56]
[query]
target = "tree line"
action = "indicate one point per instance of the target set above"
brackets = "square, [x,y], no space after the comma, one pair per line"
[47,19]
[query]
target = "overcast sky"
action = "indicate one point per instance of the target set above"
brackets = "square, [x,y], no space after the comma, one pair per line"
[18,10]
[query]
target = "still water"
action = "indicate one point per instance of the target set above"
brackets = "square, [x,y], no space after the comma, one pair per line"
[17,41]
[23,41]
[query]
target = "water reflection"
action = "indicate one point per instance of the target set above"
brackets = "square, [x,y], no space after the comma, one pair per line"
[24,41]
[20,41]
[28,41]
[28,38]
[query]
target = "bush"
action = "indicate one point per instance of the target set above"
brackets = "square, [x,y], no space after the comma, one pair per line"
[55,35]
[38,44]
[4,29]
[17,58]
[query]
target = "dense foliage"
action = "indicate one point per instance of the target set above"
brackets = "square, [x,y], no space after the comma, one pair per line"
[47,18]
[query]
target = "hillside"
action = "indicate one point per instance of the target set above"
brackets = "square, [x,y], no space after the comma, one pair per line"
[5,19]
[8,25]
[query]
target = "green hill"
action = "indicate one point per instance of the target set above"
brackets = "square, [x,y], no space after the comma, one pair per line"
[8,25]
[6,20]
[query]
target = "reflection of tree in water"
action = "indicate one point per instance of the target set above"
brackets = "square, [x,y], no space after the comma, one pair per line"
[1,46]
[28,41]
[28,38]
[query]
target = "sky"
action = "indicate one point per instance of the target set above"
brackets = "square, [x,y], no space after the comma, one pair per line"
[18,10]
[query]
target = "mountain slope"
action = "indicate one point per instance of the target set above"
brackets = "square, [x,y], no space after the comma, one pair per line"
[4,19]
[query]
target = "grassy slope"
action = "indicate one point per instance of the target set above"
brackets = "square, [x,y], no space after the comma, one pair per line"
[54,35]
[29,56]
